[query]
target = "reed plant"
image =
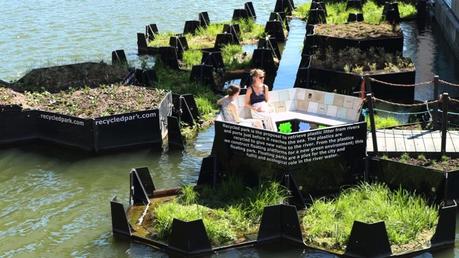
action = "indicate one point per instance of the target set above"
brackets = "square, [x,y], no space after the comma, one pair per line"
[408,218]
[230,211]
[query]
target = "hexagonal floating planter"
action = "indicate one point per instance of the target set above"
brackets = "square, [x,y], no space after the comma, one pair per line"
[85,126]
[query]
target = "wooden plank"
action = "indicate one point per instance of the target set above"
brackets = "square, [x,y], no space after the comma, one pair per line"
[428,142]
[390,141]
[418,141]
[409,142]
[450,146]
[436,137]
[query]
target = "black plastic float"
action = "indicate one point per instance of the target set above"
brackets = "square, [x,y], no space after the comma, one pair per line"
[203,74]
[204,19]
[250,9]
[99,134]
[354,4]
[223,39]
[355,17]
[234,30]
[241,14]
[213,58]
[191,26]
[150,31]
[275,29]
[284,6]
[271,44]
[317,16]
[119,57]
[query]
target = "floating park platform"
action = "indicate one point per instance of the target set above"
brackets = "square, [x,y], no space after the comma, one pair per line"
[98,119]
[204,219]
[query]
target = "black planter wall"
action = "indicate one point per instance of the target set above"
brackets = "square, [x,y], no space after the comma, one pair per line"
[103,133]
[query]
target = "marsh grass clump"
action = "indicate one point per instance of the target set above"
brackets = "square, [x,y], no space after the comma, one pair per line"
[192,57]
[205,37]
[408,218]
[235,58]
[361,62]
[230,212]
[179,82]
[161,39]
[372,12]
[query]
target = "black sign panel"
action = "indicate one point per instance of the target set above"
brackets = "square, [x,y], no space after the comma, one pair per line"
[320,160]
[292,149]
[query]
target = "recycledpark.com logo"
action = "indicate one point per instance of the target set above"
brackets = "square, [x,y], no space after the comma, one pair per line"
[124,118]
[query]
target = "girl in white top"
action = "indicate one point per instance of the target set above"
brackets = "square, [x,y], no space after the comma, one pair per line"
[230,110]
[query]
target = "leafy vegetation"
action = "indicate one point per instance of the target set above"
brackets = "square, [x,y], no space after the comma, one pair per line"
[234,57]
[382,122]
[361,62]
[88,102]
[230,212]
[408,218]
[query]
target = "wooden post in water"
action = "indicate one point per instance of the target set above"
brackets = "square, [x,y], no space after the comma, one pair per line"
[444,121]
[372,122]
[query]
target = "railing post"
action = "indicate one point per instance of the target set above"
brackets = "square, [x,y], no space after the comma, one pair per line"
[444,121]
[368,84]
[436,84]
[372,122]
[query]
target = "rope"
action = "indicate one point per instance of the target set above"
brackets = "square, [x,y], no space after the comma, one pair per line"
[400,85]
[454,100]
[402,113]
[453,113]
[406,105]
[449,83]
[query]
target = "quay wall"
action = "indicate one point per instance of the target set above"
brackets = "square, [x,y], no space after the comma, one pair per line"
[447,16]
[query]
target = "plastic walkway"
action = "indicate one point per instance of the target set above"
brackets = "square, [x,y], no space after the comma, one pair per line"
[390,140]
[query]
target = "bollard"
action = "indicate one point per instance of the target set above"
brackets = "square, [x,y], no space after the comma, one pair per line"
[444,121]
[372,122]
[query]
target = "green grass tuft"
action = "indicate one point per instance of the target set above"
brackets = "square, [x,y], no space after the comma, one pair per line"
[229,211]
[382,122]
[328,223]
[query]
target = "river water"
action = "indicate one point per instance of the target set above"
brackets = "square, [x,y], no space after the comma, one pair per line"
[55,202]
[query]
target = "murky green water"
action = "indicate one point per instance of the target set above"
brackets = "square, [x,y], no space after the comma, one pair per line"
[55,202]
